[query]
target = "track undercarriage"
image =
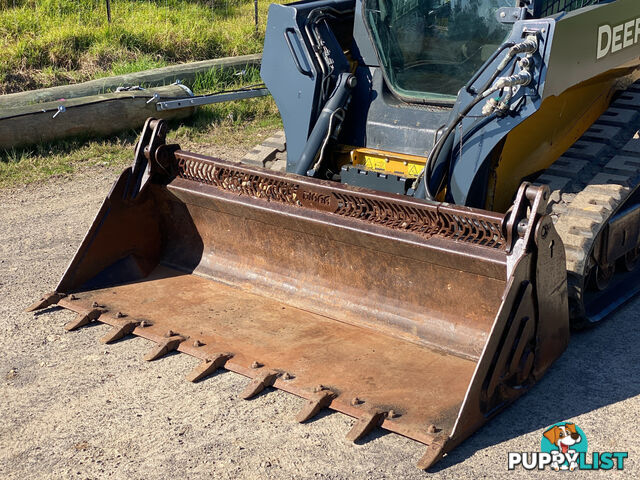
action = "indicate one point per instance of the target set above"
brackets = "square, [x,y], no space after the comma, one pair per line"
[595,207]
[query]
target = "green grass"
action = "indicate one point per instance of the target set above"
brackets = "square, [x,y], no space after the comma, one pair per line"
[218,79]
[50,42]
[24,166]
[140,63]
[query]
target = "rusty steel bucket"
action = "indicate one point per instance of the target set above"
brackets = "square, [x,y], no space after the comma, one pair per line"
[424,319]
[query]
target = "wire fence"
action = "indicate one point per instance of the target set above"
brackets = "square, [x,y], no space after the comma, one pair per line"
[109,10]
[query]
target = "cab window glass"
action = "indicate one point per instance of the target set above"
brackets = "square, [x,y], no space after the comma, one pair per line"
[429,49]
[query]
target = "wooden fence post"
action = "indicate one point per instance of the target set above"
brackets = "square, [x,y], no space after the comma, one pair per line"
[255,12]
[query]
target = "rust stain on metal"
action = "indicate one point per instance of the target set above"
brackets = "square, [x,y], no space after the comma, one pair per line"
[392,211]
[381,368]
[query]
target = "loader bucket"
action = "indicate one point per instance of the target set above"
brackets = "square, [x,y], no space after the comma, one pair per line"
[424,319]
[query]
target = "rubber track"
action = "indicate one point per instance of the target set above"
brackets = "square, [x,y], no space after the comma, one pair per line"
[271,154]
[590,182]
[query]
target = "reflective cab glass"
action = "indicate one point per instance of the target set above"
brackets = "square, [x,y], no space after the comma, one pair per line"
[429,49]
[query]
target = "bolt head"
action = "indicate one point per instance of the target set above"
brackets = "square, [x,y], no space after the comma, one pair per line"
[356,401]
[319,388]
[256,365]
[522,228]
[432,428]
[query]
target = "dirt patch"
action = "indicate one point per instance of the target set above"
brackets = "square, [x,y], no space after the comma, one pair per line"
[73,408]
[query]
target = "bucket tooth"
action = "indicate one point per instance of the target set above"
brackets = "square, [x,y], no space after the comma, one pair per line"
[166,346]
[435,452]
[365,424]
[208,366]
[258,384]
[83,319]
[316,403]
[119,331]
[47,300]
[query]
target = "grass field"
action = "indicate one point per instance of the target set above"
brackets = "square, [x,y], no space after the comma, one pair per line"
[51,42]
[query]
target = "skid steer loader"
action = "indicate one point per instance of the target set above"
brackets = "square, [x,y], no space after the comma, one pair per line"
[460,188]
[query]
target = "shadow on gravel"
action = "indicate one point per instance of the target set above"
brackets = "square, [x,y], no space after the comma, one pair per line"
[374,434]
[598,369]
[54,308]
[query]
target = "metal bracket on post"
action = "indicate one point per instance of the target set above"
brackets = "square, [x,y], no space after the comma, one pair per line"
[211,99]
[61,109]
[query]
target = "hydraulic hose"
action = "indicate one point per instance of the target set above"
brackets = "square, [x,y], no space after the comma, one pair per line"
[529,46]
[423,190]
[493,56]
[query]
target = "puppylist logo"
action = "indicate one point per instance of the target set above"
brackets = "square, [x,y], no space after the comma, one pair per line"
[564,447]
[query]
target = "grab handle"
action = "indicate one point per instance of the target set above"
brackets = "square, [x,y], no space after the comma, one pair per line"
[296,61]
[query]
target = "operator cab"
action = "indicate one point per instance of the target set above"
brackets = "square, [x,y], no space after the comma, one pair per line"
[364,86]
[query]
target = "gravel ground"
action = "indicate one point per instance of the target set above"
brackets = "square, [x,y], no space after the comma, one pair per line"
[73,408]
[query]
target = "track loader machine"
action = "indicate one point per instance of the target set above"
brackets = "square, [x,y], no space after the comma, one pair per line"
[461,186]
